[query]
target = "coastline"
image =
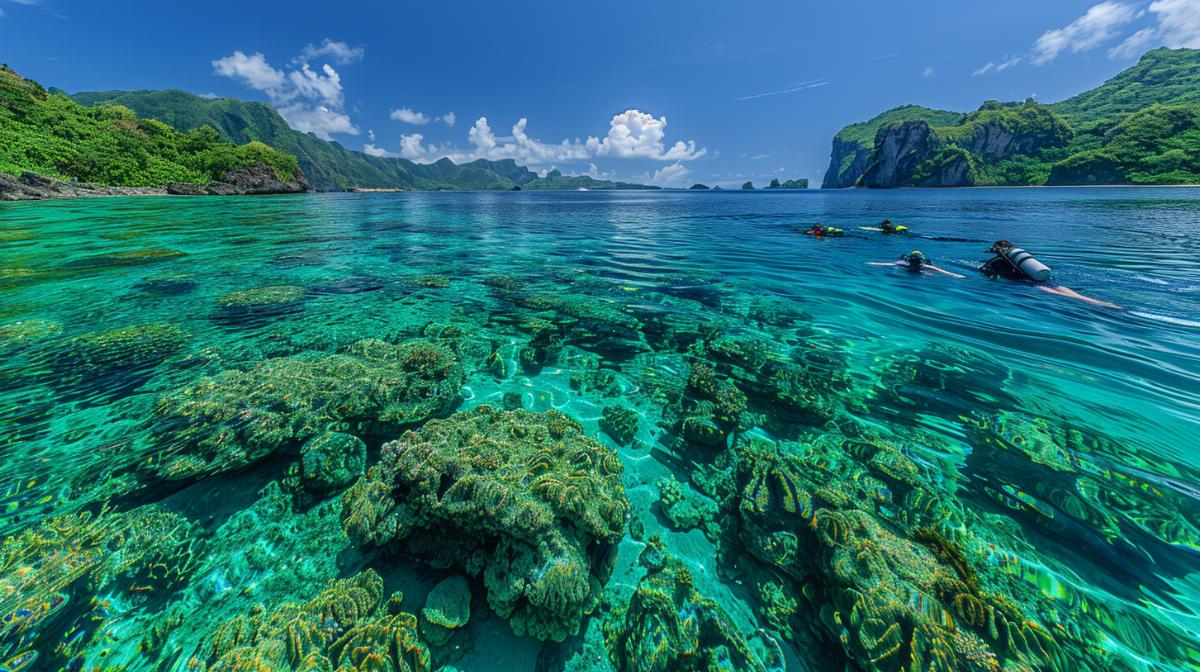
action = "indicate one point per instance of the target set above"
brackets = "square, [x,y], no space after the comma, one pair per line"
[253,180]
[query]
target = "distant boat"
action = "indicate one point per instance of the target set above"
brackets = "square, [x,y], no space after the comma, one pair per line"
[583,189]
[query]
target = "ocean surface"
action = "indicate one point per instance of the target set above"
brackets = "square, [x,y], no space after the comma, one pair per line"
[823,463]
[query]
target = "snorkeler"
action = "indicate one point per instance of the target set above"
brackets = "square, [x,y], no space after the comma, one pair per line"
[1013,263]
[886,227]
[821,231]
[916,262]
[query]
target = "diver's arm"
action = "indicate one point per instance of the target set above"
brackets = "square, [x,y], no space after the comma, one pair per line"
[943,271]
[1072,294]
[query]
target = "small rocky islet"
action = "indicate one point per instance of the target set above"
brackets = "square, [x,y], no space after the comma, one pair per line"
[403,494]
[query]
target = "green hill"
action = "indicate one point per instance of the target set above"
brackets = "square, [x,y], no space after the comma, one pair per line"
[50,134]
[1137,128]
[557,181]
[328,165]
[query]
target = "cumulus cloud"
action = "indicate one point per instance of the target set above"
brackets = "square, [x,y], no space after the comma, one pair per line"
[251,70]
[410,117]
[371,150]
[636,134]
[674,175]
[370,135]
[1099,25]
[632,135]
[448,119]
[310,100]
[1176,24]
[338,52]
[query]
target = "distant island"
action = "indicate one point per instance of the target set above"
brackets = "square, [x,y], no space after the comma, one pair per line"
[50,146]
[789,184]
[1140,127]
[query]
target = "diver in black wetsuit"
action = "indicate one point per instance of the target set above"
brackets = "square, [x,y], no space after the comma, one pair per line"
[1013,263]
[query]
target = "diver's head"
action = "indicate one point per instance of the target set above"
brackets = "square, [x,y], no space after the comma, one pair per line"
[915,260]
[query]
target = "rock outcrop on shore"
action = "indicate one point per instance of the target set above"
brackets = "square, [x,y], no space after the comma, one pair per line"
[252,180]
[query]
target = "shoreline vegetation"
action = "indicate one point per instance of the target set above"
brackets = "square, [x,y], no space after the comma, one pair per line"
[1141,127]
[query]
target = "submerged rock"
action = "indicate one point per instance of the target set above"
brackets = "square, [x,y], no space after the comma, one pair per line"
[447,608]
[525,499]
[332,461]
[261,303]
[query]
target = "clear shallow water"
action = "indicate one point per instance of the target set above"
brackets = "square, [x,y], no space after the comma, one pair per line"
[1059,436]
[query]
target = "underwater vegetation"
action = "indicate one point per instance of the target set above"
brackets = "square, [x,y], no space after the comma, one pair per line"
[525,499]
[358,453]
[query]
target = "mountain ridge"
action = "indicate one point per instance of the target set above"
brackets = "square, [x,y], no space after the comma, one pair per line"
[329,165]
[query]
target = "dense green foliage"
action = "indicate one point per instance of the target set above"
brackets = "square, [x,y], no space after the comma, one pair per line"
[51,134]
[328,165]
[1140,127]
[801,183]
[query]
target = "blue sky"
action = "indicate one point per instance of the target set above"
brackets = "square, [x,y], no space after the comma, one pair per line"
[747,90]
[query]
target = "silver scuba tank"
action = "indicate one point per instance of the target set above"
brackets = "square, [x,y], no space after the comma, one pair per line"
[1027,263]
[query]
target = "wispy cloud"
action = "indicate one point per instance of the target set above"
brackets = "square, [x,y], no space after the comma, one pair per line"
[339,52]
[1098,25]
[415,118]
[794,88]
[881,57]
[928,72]
[1177,24]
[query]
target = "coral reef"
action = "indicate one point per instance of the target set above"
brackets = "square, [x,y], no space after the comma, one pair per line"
[687,511]
[620,423]
[332,461]
[669,626]
[258,305]
[115,360]
[525,499]
[237,417]
[348,627]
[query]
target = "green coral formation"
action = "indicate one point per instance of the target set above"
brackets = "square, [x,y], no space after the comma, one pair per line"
[348,627]
[685,510]
[259,303]
[332,461]
[620,423]
[525,499]
[115,360]
[237,417]
[669,626]
[142,553]
[51,134]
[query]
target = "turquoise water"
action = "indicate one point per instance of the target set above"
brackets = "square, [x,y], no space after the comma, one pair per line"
[961,456]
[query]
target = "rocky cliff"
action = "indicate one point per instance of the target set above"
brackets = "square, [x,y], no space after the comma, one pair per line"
[252,180]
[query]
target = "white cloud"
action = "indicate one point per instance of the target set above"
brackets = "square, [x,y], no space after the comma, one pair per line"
[1097,26]
[371,150]
[674,175]
[635,134]
[339,52]
[1008,63]
[448,119]
[1177,24]
[26,2]
[370,135]
[595,173]
[984,69]
[410,117]
[252,70]
[927,72]
[311,101]
[632,134]
[1135,44]
[320,120]
[325,87]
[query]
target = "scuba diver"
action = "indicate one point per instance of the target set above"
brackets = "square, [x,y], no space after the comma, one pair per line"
[886,227]
[916,262]
[1013,263]
[821,231]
